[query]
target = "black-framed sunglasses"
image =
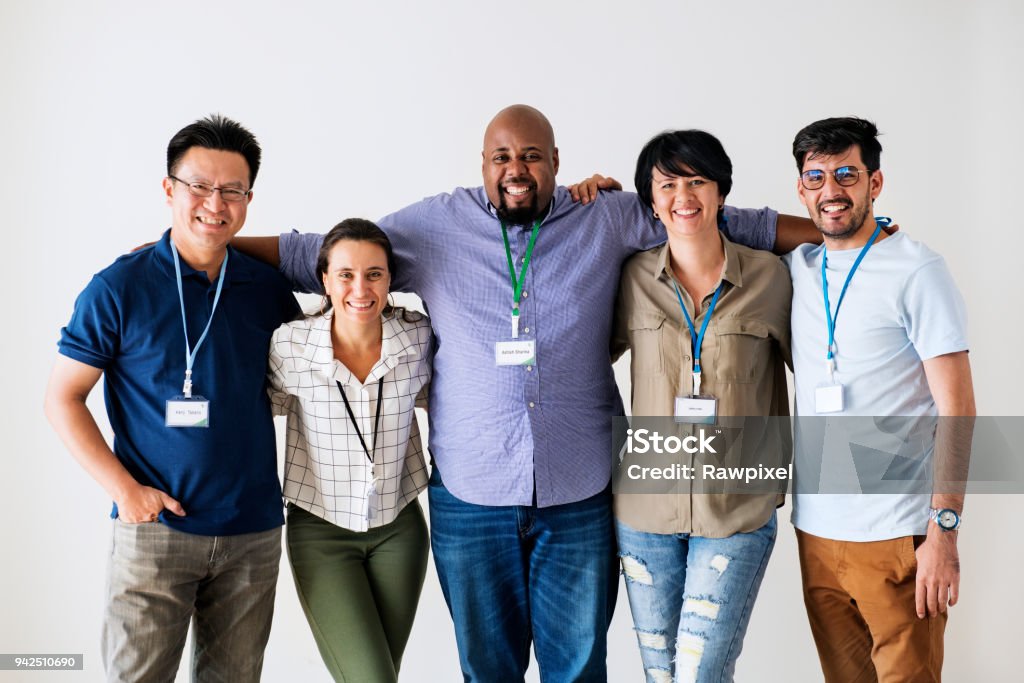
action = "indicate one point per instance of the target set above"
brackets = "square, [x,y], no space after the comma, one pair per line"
[844,175]
[228,194]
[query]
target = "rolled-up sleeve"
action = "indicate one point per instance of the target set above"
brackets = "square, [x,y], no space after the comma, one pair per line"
[298,253]
[753,228]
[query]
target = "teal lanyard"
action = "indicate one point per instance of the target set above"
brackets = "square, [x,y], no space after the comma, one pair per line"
[830,319]
[190,353]
[517,283]
[697,338]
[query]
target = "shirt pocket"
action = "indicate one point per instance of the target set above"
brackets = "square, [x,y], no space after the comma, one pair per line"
[743,347]
[646,341]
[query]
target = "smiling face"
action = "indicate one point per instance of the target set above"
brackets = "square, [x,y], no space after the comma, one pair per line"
[202,226]
[357,281]
[520,161]
[841,213]
[687,205]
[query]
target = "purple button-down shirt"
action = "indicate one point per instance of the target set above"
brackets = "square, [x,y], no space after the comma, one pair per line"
[501,434]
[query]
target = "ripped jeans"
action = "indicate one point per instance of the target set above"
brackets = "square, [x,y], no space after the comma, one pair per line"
[691,599]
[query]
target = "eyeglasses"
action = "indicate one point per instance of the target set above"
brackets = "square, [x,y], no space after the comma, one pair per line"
[228,194]
[844,175]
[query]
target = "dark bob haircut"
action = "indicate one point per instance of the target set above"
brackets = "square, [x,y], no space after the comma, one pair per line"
[215,132]
[684,153]
[835,136]
[356,230]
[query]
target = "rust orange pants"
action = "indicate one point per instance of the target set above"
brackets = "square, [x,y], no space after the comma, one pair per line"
[860,603]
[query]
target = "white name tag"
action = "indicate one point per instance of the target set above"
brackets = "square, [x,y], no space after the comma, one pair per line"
[828,398]
[372,502]
[516,352]
[696,409]
[188,412]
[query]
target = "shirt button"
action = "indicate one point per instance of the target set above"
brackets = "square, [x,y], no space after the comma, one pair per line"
[529,368]
[527,329]
[531,404]
[526,294]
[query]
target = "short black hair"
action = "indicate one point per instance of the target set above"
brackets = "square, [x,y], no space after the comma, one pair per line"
[835,136]
[699,152]
[215,132]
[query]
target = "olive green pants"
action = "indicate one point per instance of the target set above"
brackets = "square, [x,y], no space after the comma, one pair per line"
[359,590]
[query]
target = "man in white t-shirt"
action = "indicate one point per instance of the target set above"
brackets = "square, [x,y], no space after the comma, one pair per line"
[882,339]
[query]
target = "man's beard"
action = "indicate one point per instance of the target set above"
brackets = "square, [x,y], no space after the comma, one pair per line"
[857,218]
[523,215]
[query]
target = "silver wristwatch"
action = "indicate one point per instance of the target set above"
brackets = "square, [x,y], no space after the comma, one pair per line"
[945,518]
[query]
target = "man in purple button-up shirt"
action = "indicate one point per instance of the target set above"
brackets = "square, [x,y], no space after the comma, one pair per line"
[519,503]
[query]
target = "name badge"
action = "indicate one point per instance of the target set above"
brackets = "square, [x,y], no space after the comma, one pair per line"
[516,352]
[372,502]
[701,410]
[187,412]
[828,398]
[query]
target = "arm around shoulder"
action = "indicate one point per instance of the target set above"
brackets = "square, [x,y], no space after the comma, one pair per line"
[792,231]
[294,254]
[264,249]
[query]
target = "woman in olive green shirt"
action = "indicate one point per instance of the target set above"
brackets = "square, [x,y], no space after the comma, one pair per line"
[708,324]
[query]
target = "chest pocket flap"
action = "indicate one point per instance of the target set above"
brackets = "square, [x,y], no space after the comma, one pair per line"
[744,346]
[646,331]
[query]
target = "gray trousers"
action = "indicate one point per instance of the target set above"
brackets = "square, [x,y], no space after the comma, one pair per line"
[159,580]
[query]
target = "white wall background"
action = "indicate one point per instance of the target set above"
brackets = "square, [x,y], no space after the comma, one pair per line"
[362,109]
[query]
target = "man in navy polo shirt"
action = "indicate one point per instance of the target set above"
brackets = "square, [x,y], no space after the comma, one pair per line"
[180,332]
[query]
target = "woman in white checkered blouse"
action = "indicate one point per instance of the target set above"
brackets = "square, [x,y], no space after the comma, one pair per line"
[348,380]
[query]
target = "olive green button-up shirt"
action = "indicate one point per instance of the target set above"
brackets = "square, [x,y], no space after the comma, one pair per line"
[743,358]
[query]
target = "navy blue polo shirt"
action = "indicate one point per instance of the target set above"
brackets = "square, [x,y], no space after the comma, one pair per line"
[127,323]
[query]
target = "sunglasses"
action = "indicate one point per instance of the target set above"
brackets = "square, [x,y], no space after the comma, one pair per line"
[844,175]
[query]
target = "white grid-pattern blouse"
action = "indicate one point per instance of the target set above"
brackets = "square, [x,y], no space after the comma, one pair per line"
[326,470]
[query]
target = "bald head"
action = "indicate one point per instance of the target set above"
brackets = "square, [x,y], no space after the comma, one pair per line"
[520,161]
[523,117]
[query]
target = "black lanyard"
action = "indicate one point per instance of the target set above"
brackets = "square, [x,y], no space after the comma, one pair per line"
[376,419]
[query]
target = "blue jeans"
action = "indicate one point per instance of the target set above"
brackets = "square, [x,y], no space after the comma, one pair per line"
[512,574]
[159,579]
[691,599]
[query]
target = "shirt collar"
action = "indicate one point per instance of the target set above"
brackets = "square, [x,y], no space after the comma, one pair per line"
[395,344]
[731,271]
[493,210]
[238,270]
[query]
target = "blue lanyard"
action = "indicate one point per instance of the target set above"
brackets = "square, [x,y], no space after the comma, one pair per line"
[697,338]
[190,353]
[880,222]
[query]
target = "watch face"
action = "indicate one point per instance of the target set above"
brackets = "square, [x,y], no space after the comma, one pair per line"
[947,519]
